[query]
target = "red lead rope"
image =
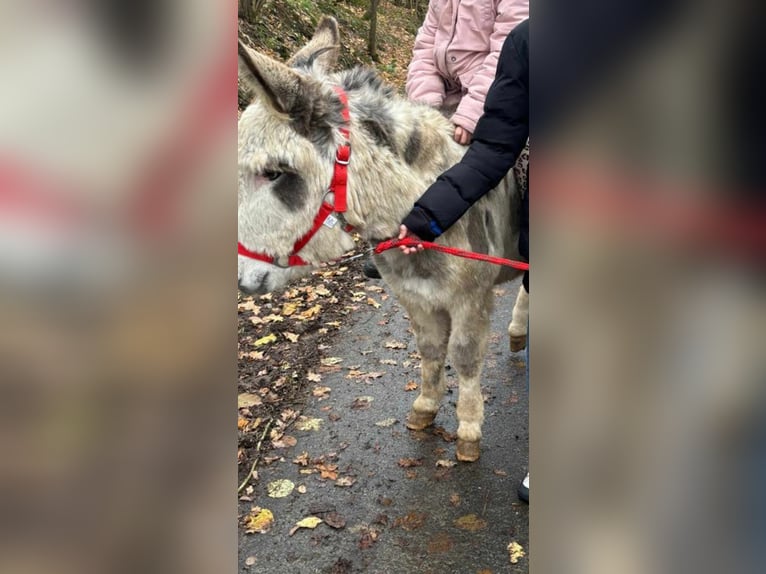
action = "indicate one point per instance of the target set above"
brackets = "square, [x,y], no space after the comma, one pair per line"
[410,242]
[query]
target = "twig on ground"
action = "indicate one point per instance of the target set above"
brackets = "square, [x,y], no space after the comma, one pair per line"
[257,457]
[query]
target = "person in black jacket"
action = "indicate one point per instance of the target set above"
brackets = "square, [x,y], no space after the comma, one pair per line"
[501,135]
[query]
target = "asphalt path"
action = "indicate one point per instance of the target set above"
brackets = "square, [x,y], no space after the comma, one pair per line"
[390,499]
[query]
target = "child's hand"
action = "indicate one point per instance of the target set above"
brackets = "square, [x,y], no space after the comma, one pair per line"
[404,232]
[462,136]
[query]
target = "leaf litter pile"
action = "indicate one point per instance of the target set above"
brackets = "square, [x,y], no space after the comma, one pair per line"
[281,340]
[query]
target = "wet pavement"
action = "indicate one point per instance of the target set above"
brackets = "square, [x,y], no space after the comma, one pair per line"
[391,499]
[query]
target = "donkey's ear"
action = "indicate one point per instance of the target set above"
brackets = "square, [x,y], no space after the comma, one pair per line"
[322,50]
[273,83]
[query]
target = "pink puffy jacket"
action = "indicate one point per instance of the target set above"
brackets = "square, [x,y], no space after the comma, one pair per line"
[456,51]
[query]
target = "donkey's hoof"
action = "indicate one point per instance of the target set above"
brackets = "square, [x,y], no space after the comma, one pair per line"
[420,421]
[518,343]
[467,450]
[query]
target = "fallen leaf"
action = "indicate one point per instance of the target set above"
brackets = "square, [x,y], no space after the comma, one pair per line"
[292,337]
[280,488]
[270,338]
[289,308]
[441,542]
[386,422]
[308,423]
[394,345]
[259,520]
[410,386]
[313,377]
[246,400]
[470,522]
[411,521]
[321,392]
[373,302]
[387,362]
[328,471]
[445,463]
[250,560]
[369,536]
[308,522]
[345,481]
[454,499]
[301,489]
[362,402]
[515,552]
[242,423]
[273,318]
[329,361]
[334,520]
[312,312]
[284,442]
[500,472]
[409,462]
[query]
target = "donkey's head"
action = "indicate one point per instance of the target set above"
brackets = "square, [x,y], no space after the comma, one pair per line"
[288,137]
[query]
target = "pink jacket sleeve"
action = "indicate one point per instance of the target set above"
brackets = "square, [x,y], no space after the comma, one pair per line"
[424,83]
[510,13]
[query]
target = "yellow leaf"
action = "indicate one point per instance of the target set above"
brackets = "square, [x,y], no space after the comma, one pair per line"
[308,522]
[289,308]
[515,552]
[270,338]
[373,302]
[259,520]
[386,422]
[328,361]
[292,337]
[273,318]
[309,313]
[307,423]
[280,488]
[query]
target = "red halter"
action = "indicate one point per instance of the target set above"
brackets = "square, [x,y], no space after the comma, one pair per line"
[324,217]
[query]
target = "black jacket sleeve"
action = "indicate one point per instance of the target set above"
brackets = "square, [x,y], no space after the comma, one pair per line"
[500,137]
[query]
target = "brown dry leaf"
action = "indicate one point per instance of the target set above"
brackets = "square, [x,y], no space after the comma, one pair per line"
[257,355]
[285,442]
[259,520]
[330,361]
[410,386]
[241,423]
[410,474]
[447,436]
[441,542]
[515,552]
[445,463]
[328,471]
[345,481]
[409,462]
[321,290]
[484,571]
[387,362]
[362,402]
[270,338]
[369,536]
[321,392]
[374,375]
[292,337]
[500,472]
[334,520]
[411,521]
[313,377]
[394,345]
[308,522]
[311,312]
[373,302]
[246,400]
[273,319]
[470,522]
[334,417]
[454,499]
[249,305]
[302,459]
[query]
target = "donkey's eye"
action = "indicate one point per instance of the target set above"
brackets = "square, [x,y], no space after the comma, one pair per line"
[272,175]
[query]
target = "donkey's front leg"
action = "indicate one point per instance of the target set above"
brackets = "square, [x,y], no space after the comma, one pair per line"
[517,330]
[467,348]
[432,333]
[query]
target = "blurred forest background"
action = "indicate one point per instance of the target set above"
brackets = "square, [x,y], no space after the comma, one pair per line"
[377,33]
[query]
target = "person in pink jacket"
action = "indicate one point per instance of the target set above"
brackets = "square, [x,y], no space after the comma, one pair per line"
[455,56]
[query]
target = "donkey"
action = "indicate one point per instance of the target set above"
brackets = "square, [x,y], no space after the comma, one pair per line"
[295,139]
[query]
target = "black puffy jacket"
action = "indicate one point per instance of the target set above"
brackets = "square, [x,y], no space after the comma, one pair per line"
[500,136]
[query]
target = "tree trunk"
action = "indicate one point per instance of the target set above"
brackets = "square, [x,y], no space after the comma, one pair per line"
[372,46]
